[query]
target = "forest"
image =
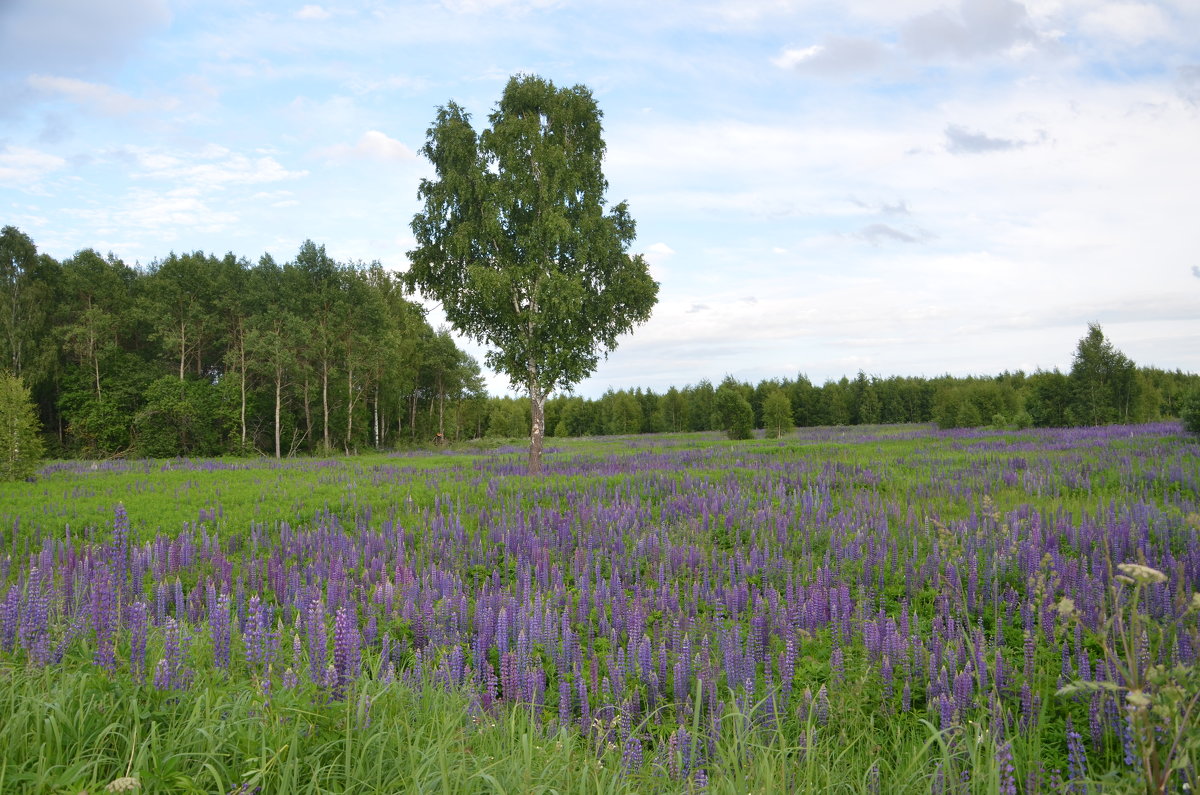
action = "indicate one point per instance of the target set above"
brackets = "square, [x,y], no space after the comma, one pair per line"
[200,355]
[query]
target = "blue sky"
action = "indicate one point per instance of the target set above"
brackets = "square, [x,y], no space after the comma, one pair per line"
[906,187]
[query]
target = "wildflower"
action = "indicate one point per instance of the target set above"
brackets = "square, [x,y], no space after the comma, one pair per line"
[1137,699]
[1066,607]
[1139,574]
[123,784]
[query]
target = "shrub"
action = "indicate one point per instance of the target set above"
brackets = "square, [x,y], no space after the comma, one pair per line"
[1190,413]
[19,426]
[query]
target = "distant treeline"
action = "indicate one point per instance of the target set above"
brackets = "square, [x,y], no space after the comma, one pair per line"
[1007,400]
[1103,386]
[199,355]
[202,355]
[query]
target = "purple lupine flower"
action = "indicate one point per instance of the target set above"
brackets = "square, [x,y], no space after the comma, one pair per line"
[172,672]
[180,606]
[162,675]
[946,713]
[787,666]
[254,633]
[160,603]
[317,643]
[837,665]
[1095,728]
[564,699]
[821,704]
[1008,772]
[1076,759]
[119,551]
[631,754]
[585,713]
[219,622]
[104,619]
[964,687]
[509,680]
[346,648]
[138,632]
[680,683]
[502,631]
[10,618]
[34,629]
[1027,716]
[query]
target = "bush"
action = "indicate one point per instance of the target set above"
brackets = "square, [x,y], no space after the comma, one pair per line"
[737,415]
[23,449]
[1190,412]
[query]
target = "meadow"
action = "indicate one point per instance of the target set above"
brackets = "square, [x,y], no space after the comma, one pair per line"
[878,609]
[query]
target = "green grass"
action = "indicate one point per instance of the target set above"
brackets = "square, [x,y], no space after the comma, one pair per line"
[70,728]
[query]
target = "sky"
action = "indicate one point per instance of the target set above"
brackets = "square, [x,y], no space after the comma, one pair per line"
[901,187]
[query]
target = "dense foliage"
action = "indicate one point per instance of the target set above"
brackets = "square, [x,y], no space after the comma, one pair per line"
[1190,413]
[202,355]
[900,610]
[1010,400]
[20,443]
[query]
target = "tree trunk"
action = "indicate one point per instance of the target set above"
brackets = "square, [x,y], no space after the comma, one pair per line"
[242,368]
[537,407]
[442,414]
[278,405]
[325,402]
[182,348]
[349,407]
[412,420]
[375,427]
[307,407]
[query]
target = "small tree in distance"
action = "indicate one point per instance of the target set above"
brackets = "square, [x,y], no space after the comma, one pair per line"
[1190,413]
[1104,382]
[23,447]
[777,414]
[735,412]
[515,242]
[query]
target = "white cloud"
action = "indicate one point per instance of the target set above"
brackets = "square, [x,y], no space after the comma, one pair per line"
[977,27]
[21,166]
[75,35]
[96,96]
[373,145]
[212,168]
[1132,23]
[164,215]
[960,140]
[838,55]
[313,13]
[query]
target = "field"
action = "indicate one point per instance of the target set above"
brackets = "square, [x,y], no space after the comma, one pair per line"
[884,609]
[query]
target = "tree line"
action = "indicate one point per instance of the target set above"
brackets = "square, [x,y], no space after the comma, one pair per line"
[200,355]
[1103,386]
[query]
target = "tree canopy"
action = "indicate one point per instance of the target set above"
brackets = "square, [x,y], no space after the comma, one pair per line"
[516,243]
[200,355]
